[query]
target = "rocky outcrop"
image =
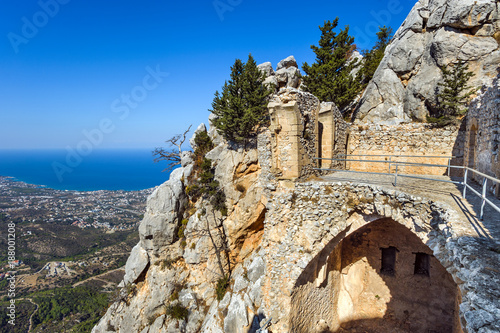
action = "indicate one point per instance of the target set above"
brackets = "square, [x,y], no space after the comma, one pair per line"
[174,267]
[163,213]
[287,74]
[435,33]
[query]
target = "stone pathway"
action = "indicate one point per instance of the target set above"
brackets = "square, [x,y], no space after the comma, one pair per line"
[449,193]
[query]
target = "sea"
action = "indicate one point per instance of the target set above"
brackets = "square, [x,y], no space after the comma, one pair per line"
[101,169]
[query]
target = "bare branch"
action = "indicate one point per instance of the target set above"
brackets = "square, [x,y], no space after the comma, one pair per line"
[164,154]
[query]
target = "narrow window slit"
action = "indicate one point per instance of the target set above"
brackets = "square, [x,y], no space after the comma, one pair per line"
[422,264]
[388,261]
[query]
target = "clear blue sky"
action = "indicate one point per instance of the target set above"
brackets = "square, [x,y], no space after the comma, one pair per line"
[68,68]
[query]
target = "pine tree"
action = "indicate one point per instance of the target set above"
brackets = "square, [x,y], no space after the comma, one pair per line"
[372,58]
[329,78]
[455,92]
[241,106]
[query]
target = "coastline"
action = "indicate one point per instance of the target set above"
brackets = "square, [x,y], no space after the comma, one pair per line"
[103,170]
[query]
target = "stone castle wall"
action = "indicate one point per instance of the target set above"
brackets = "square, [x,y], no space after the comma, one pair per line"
[304,226]
[482,138]
[332,135]
[294,130]
[414,139]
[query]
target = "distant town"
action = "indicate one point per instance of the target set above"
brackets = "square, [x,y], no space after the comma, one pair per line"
[111,210]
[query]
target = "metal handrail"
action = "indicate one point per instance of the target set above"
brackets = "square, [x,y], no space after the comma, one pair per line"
[390,158]
[442,156]
[482,195]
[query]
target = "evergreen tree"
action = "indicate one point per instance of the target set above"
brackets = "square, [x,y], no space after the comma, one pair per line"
[329,78]
[372,58]
[241,106]
[455,92]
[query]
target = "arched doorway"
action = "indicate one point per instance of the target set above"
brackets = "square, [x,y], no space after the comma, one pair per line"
[381,278]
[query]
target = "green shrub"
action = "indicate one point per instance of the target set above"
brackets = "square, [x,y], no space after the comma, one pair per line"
[203,144]
[221,288]
[177,311]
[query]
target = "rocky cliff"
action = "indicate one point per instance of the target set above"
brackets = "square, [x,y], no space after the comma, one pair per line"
[169,269]
[435,33]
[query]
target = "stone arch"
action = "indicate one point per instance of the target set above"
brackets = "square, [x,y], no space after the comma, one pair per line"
[344,286]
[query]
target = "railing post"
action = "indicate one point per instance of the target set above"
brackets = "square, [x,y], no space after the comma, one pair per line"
[396,177]
[449,163]
[485,181]
[465,181]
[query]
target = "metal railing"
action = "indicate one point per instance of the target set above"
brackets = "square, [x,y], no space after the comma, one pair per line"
[482,195]
[398,156]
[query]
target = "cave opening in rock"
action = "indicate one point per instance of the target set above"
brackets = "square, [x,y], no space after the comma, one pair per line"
[376,279]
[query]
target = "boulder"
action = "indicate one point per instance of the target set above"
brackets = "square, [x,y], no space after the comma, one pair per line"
[266,68]
[164,209]
[136,263]
[288,77]
[287,62]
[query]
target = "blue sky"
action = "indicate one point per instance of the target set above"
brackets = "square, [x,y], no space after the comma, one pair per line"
[130,74]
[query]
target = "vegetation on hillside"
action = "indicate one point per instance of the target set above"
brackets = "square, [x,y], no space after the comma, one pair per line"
[242,104]
[373,57]
[454,94]
[329,78]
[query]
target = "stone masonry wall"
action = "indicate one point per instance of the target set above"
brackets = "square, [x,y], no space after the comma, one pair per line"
[306,221]
[294,129]
[417,139]
[332,135]
[483,129]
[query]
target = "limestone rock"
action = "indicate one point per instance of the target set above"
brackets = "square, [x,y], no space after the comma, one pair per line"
[288,77]
[212,133]
[266,68]
[287,62]
[237,316]
[136,263]
[256,269]
[240,283]
[186,158]
[164,208]
[271,80]
[435,33]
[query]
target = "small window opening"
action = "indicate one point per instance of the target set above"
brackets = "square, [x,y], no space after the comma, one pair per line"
[388,261]
[149,237]
[422,264]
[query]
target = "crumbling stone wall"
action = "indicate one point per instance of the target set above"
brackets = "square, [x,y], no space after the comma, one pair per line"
[332,135]
[305,223]
[414,139]
[482,138]
[294,129]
